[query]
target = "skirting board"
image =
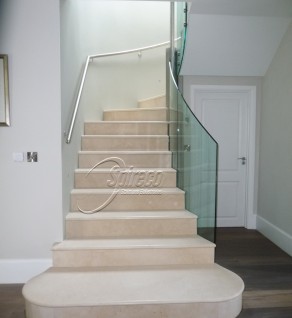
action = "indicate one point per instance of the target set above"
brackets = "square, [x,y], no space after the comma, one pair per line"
[275,234]
[19,271]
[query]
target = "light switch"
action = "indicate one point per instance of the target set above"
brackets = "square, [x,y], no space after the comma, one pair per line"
[18,156]
[32,156]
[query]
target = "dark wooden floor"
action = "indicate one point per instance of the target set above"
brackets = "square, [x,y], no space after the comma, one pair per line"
[11,301]
[265,269]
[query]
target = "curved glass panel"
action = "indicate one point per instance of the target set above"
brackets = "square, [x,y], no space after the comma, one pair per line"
[195,159]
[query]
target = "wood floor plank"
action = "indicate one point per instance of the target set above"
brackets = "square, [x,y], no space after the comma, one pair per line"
[263,277]
[266,313]
[11,301]
[265,269]
[267,299]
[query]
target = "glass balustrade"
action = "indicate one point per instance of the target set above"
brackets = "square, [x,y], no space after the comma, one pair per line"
[194,151]
[194,154]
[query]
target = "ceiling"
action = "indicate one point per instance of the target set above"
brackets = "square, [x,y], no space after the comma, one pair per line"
[234,37]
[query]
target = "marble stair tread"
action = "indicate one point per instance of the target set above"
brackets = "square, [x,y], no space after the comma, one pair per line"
[134,109]
[127,199]
[124,142]
[121,152]
[162,191]
[121,136]
[101,169]
[117,153]
[148,159]
[129,177]
[133,114]
[134,243]
[65,287]
[112,215]
[138,122]
[157,101]
[126,128]
[134,251]
[130,224]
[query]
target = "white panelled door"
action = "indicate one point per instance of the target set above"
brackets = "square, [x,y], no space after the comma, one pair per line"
[224,111]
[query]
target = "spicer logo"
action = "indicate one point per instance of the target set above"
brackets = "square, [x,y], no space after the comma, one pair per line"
[126,180]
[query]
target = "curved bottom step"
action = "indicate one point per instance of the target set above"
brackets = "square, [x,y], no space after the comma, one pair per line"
[197,291]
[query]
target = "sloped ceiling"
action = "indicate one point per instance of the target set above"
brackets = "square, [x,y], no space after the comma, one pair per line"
[234,37]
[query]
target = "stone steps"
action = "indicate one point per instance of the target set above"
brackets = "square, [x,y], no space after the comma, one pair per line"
[130,224]
[126,128]
[196,291]
[124,142]
[137,159]
[142,199]
[128,177]
[133,252]
[137,114]
[153,102]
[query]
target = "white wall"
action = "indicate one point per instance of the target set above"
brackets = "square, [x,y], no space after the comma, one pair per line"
[30,193]
[95,27]
[71,62]
[232,45]
[275,182]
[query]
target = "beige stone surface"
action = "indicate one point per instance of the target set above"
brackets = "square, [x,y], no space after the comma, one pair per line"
[176,291]
[130,224]
[124,142]
[158,101]
[137,159]
[133,252]
[143,114]
[128,177]
[126,128]
[143,199]
[227,309]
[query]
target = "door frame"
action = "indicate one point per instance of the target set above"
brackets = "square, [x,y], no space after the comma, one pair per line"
[251,191]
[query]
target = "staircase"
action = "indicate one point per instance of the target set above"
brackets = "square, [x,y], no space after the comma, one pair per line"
[134,252]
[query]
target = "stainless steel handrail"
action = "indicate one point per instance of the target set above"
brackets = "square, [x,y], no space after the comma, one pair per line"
[89,59]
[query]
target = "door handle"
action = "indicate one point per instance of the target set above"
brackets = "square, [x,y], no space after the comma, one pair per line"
[243,160]
[187,147]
